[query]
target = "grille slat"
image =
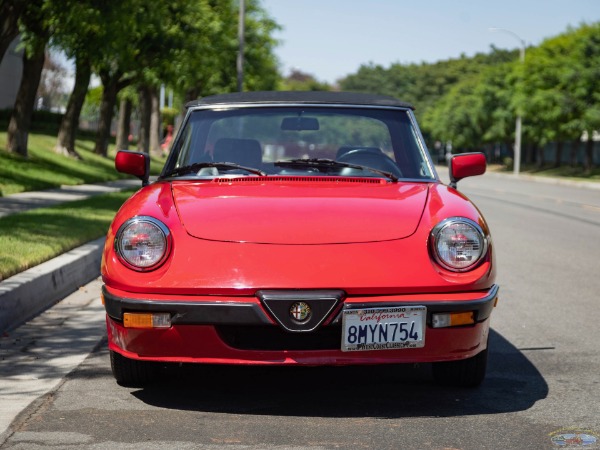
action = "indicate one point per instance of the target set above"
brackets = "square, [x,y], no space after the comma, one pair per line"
[274,338]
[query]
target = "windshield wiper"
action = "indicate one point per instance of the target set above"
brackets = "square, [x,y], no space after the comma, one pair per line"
[333,164]
[218,165]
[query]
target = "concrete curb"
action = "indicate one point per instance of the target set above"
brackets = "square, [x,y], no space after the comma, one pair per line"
[556,181]
[28,293]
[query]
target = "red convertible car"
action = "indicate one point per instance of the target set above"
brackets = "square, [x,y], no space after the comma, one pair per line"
[303,228]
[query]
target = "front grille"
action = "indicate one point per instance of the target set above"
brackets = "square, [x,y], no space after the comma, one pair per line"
[274,338]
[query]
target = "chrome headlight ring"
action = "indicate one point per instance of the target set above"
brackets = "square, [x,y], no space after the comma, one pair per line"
[458,244]
[143,243]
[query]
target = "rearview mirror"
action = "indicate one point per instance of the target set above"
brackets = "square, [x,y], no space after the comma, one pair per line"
[466,165]
[134,163]
[300,124]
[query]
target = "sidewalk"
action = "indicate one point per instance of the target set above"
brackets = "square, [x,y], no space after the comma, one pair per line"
[25,201]
[28,293]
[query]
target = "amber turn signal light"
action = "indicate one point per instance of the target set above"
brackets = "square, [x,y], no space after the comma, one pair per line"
[452,319]
[147,320]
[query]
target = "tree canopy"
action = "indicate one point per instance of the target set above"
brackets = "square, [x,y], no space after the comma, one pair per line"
[191,47]
[188,45]
[473,102]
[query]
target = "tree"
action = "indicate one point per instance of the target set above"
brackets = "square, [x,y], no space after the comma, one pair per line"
[424,84]
[51,90]
[123,124]
[586,84]
[155,122]
[145,102]
[36,32]
[168,31]
[116,62]
[559,98]
[301,81]
[260,64]
[112,82]
[473,102]
[216,41]
[185,44]
[494,93]
[65,142]
[81,31]
[185,30]
[475,112]
[456,117]
[10,13]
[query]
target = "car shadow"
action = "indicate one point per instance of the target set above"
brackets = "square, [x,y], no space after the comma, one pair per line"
[389,391]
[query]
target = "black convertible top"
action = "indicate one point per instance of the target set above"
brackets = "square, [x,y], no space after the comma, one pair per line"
[325,97]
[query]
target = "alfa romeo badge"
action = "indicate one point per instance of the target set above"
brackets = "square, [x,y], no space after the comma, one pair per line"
[300,311]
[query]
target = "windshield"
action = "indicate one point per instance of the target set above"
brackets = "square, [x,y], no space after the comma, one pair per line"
[316,140]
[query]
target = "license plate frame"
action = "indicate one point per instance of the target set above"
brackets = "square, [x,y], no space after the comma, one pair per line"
[391,328]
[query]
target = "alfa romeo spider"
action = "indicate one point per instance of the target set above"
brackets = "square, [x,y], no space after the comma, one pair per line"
[299,228]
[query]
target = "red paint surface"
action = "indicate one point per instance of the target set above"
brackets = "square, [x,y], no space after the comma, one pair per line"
[230,241]
[202,344]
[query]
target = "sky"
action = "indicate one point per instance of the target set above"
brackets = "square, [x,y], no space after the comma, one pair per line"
[330,39]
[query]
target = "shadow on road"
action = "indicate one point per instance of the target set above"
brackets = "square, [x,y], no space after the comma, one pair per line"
[512,384]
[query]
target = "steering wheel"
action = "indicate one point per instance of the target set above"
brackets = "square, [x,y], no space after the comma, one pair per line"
[369,158]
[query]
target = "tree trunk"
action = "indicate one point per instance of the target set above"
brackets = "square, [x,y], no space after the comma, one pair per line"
[540,156]
[10,11]
[573,156]
[189,95]
[145,113]
[155,125]
[528,153]
[65,143]
[20,120]
[124,124]
[559,152]
[109,99]
[588,161]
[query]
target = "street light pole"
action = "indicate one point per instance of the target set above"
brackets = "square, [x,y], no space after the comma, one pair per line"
[517,159]
[241,39]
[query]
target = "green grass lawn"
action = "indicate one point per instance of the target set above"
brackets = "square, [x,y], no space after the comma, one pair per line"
[32,237]
[44,169]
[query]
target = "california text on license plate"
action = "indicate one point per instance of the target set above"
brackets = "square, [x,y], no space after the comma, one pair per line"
[383,328]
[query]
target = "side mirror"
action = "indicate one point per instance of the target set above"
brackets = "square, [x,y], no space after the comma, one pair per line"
[134,163]
[466,165]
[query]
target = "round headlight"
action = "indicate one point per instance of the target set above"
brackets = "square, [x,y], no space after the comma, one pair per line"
[458,244]
[142,243]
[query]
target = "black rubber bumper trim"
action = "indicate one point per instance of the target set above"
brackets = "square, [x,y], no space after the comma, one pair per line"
[189,313]
[482,307]
[211,313]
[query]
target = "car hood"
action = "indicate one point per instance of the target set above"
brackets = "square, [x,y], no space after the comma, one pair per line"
[300,212]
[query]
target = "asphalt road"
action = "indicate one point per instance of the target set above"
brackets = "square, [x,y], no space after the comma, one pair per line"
[543,376]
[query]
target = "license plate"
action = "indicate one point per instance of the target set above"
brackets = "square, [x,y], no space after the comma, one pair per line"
[383,328]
